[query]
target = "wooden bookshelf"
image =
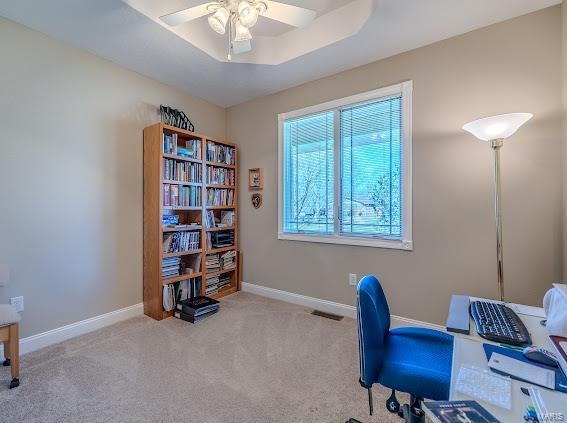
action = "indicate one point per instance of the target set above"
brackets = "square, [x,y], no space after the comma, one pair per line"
[154,208]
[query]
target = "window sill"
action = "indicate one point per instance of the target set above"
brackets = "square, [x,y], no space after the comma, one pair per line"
[345,240]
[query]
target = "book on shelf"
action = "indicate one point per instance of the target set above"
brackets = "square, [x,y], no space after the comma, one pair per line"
[220,176]
[220,153]
[177,242]
[181,196]
[210,219]
[228,260]
[187,289]
[227,217]
[212,263]
[170,220]
[220,239]
[457,412]
[170,267]
[181,171]
[220,197]
[189,148]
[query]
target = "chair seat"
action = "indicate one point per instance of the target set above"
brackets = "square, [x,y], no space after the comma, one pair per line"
[8,315]
[418,361]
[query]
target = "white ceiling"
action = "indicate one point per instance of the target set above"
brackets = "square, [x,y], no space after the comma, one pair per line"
[115,31]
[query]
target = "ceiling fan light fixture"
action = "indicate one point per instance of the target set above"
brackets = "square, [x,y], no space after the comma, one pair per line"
[218,20]
[242,33]
[247,14]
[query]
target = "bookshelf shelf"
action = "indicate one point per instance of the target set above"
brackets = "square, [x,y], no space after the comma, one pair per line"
[221,207]
[186,229]
[217,229]
[221,250]
[166,161]
[181,158]
[182,253]
[193,184]
[221,186]
[219,164]
[169,281]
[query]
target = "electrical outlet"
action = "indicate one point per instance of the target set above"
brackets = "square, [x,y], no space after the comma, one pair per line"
[17,303]
[352,279]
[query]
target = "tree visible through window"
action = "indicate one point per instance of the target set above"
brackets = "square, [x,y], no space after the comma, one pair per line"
[344,169]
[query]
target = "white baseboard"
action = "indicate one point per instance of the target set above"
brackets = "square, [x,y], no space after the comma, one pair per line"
[326,306]
[54,336]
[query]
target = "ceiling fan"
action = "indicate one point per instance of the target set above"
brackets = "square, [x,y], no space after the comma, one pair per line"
[240,16]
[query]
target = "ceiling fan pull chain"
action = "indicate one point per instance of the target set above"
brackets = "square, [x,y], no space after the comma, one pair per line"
[229,39]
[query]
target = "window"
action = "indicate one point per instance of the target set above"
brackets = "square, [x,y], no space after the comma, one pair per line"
[345,170]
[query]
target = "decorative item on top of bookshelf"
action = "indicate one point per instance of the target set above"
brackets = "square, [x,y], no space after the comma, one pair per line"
[174,117]
[256,200]
[256,178]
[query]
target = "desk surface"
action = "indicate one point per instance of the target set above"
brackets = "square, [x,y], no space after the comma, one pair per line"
[469,351]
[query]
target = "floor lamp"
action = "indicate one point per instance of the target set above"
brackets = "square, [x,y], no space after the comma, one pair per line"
[495,130]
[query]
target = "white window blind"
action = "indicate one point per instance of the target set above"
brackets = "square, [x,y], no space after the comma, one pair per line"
[345,170]
[308,200]
[371,202]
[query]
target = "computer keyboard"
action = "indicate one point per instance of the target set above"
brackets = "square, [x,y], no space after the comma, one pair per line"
[499,323]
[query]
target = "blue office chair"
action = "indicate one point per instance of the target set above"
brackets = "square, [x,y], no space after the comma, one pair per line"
[417,361]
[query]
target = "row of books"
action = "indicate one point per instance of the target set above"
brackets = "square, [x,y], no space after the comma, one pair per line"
[220,153]
[220,197]
[180,196]
[170,267]
[181,171]
[189,148]
[215,283]
[176,242]
[220,176]
[176,293]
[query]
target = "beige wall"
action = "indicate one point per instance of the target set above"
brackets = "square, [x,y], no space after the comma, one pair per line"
[71,176]
[512,66]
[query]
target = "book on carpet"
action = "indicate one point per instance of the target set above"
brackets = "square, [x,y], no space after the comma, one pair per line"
[193,319]
[198,305]
[457,412]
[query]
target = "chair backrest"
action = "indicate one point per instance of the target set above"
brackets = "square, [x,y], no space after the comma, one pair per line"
[373,317]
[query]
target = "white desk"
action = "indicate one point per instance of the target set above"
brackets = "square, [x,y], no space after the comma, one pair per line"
[468,350]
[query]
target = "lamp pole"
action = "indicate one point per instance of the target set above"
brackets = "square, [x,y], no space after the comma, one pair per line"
[496,146]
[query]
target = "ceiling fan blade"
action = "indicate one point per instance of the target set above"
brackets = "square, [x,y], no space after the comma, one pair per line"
[288,14]
[239,47]
[186,15]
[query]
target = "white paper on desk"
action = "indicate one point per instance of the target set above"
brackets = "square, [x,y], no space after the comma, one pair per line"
[528,310]
[525,371]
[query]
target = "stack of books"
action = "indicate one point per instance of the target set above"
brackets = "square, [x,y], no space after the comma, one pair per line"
[212,262]
[224,280]
[228,260]
[196,309]
[177,242]
[220,153]
[212,285]
[222,239]
[170,267]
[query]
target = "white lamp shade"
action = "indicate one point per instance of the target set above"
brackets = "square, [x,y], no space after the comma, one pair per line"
[247,14]
[218,20]
[241,33]
[497,127]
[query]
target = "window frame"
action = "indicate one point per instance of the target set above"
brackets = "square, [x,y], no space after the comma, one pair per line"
[405,89]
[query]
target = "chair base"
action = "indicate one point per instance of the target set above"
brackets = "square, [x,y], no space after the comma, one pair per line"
[6,363]
[14,383]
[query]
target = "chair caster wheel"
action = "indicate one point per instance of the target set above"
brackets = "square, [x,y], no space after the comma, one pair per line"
[392,404]
[6,362]
[14,383]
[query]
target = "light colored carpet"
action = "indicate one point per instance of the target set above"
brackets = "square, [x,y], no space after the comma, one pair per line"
[257,360]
